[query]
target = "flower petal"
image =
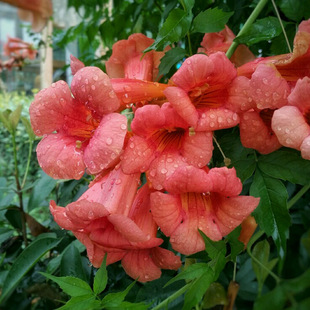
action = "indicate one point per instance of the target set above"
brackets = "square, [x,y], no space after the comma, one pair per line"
[166,211]
[75,64]
[59,158]
[138,155]
[300,96]
[197,148]
[139,265]
[165,259]
[92,86]
[182,104]
[230,212]
[289,125]
[215,119]
[256,135]
[269,88]
[49,108]
[305,148]
[106,144]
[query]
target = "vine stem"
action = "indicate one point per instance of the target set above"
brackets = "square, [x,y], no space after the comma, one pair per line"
[298,196]
[178,293]
[283,30]
[28,163]
[19,191]
[246,26]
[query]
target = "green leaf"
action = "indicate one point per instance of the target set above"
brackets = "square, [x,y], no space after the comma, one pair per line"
[128,306]
[71,285]
[25,261]
[245,168]
[215,295]
[211,20]
[4,118]
[287,165]
[71,263]
[214,248]
[261,252]
[188,4]
[170,59]
[293,9]
[197,289]
[40,191]
[190,273]
[236,246]
[101,278]
[88,302]
[262,30]
[115,299]
[276,299]
[271,214]
[173,29]
[15,116]
[28,128]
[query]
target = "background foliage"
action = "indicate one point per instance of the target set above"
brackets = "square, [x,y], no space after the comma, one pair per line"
[42,267]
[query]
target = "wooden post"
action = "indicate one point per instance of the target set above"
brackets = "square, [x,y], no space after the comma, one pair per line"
[46,54]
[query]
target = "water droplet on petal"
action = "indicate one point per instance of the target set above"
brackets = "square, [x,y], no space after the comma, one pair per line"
[95,77]
[109,141]
[123,126]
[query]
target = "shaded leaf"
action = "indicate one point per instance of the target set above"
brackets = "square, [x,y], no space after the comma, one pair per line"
[170,59]
[190,273]
[211,20]
[71,263]
[101,277]
[115,299]
[71,285]
[293,9]
[25,261]
[271,214]
[88,302]
[287,165]
[173,29]
[198,289]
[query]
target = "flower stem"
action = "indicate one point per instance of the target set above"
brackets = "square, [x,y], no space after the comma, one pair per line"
[260,5]
[174,296]
[19,191]
[298,196]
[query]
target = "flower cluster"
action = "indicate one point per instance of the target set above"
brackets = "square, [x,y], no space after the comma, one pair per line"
[168,145]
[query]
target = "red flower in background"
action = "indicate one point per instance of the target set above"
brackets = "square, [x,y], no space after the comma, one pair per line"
[220,42]
[16,47]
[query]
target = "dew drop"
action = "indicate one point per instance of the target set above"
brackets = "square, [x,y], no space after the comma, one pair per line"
[112,94]
[93,87]
[131,145]
[95,77]
[123,126]
[109,141]
[163,171]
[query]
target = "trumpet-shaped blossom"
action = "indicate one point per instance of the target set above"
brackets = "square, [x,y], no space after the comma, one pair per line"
[163,145]
[88,135]
[202,83]
[291,123]
[220,42]
[292,66]
[127,59]
[216,212]
[110,218]
[255,100]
